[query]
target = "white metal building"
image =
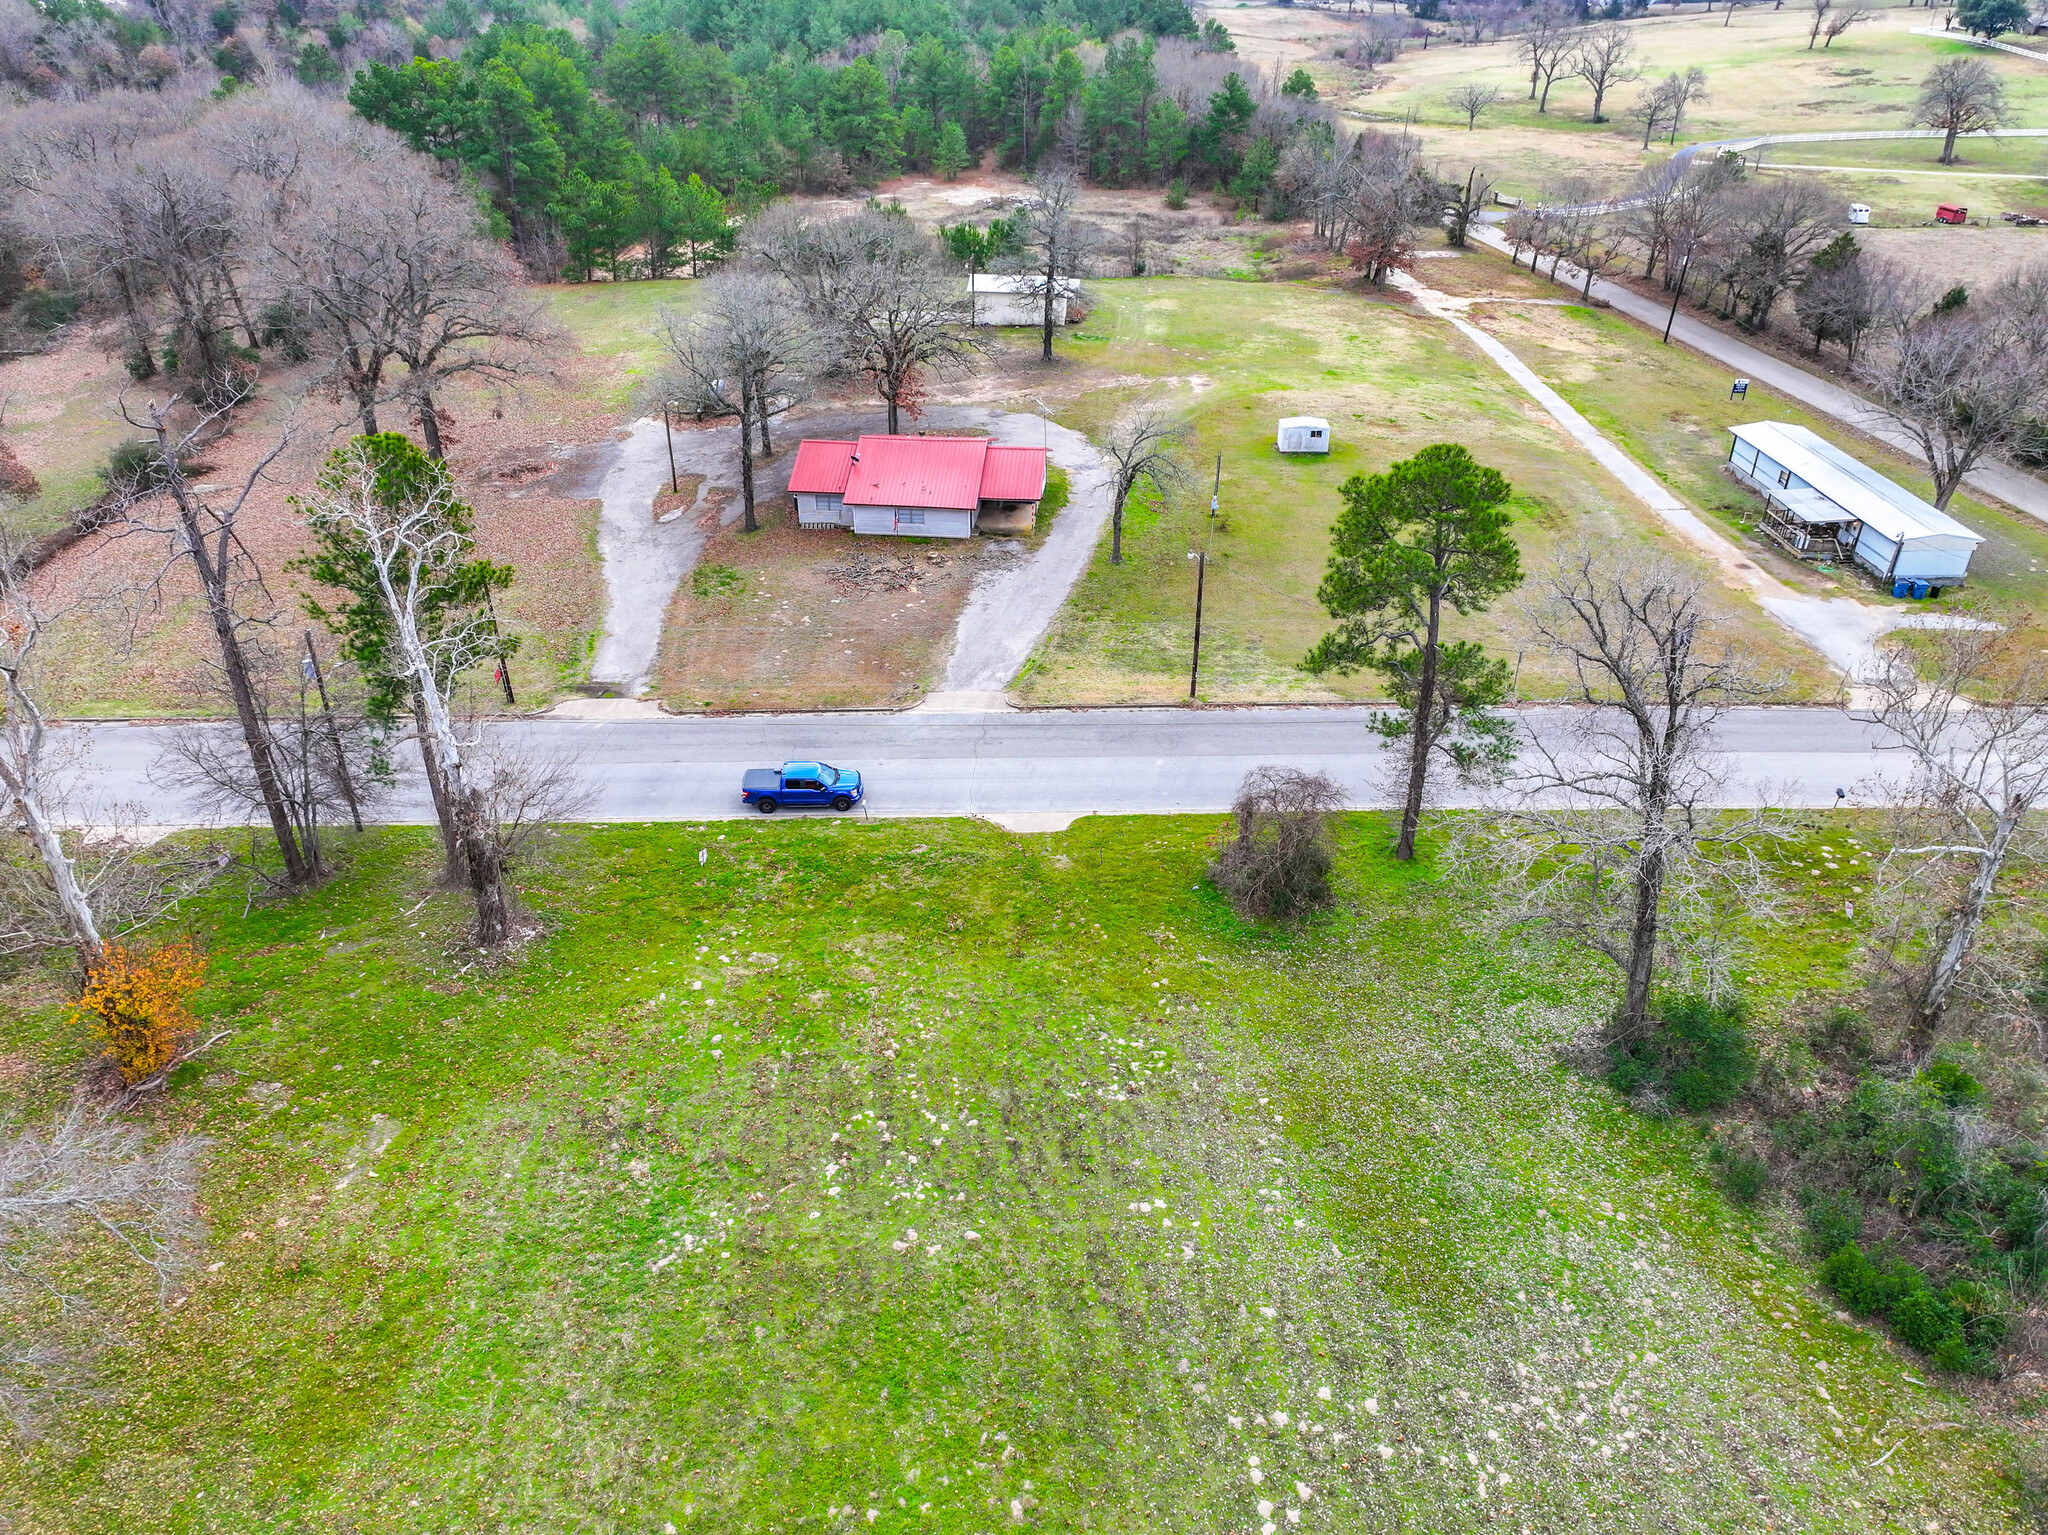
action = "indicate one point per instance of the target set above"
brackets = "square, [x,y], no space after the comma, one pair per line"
[998,299]
[1303,434]
[1822,504]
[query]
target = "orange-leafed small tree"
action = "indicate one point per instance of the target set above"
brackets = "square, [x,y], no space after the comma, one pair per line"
[137,1004]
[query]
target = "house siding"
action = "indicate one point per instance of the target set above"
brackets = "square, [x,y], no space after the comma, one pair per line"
[913,522]
[821,511]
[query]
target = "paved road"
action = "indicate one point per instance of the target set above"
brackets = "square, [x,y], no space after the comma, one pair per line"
[1031,769]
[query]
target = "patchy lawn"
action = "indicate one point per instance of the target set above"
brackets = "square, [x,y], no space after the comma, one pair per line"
[912,1175]
[1391,380]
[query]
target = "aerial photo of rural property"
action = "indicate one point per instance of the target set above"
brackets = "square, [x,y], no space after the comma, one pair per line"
[1217,766]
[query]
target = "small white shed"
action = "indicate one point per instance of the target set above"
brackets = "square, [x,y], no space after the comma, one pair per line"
[1303,434]
[1859,213]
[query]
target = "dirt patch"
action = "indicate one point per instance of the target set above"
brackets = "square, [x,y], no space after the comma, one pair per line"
[791,618]
[130,649]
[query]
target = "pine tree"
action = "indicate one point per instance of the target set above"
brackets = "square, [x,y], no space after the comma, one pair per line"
[951,156]
[1428,535]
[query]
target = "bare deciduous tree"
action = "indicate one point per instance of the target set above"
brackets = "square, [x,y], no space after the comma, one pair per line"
[24,753]
[1392,195]
[1832,20]
[203,531]
[1604,57]
[87,1173]
[1973,727]
[1546,43]
[1463,202]
[1054,245]
[325,757]
[875,285]
[1613,836]
[745,351]
[1148,445]
[1960,96]
[1471,100]
[1966,383]
[1663,106]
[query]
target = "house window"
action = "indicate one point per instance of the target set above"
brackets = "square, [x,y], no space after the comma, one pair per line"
[903,516]
[1785,478]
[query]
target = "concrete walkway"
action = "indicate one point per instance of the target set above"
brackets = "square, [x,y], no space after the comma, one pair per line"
[2014,487]
[1841,629]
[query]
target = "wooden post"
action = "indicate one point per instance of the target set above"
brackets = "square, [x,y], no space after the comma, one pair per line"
[668,437]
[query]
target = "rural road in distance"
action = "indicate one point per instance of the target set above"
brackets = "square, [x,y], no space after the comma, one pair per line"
[1031,770]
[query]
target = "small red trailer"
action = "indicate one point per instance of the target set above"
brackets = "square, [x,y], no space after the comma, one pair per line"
[1949,213]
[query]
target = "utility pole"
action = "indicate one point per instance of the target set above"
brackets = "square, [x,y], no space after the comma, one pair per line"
[1677,293]
[669,437]
[348,789]
[1201,559]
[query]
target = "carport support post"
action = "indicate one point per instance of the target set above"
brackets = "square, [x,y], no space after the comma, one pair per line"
[669,438]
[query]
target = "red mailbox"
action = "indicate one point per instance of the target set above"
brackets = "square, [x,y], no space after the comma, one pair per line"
[1949,213]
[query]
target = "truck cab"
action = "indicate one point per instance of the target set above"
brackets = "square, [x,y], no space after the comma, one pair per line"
[801,783]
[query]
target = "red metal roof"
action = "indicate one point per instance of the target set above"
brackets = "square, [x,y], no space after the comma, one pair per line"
[821,467]
[1013,474]
[940,473]
[935,472]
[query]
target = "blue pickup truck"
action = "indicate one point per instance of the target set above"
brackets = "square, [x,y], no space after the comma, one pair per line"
[801,783]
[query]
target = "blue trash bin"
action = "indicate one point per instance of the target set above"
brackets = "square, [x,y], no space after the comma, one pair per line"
[1921,589]
[1901,588]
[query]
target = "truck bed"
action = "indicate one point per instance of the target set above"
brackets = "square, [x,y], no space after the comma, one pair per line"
[762,781]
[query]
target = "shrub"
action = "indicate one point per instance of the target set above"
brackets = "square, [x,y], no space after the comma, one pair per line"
[1176,194]
[1743,1175]
[1924,1319]
[1865,1288]
[46,308]
[1277,864]
[1833,1221]
[1955,1086]
[1842,1031]
[136,1003]
[1699,1054]
[282,324]
[136,468]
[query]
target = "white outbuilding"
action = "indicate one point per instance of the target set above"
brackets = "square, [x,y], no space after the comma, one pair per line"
[996,298]
[1822,504]
[1303,434]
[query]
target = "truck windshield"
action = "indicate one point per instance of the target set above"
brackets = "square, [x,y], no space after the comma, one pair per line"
[829,775]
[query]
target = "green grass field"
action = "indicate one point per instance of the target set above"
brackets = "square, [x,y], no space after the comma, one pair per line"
[1390,380]
[915,1176]
[1761,79]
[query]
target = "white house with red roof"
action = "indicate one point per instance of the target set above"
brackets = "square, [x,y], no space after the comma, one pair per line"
[921,487]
